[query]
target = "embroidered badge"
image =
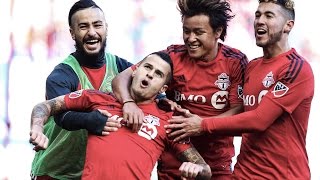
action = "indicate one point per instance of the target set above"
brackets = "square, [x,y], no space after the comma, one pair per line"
[268,80]
[280,89]
[75,94]
[148,131]
[223,81]
[152,120]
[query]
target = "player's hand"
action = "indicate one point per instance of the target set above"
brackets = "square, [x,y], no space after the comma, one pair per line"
[181,127]
[112,123]
[133,115]
[190,170]
[37,138]
[168,105]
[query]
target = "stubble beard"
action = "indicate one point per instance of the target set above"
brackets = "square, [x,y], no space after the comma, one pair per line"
[274,38]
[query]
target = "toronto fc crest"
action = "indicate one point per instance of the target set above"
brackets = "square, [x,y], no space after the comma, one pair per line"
[268,80]
[223,81]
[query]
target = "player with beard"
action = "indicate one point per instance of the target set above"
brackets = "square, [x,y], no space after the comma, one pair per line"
[107,157]
[278,91]
[89,67]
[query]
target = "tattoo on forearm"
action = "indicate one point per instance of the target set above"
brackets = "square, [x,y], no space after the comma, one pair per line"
[42,111]
[191,155]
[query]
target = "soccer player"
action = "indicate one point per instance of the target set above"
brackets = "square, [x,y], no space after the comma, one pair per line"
[278,90]
[89,67]
[208,79]
[124,154]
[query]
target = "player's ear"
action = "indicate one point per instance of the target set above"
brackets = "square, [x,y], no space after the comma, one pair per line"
[134,73]
[72,33]
[163,89]
[218,32]
[288,26]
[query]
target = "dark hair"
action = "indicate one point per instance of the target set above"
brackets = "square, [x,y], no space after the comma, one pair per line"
[79,5]
[218,11]
[287,5]
[165,56]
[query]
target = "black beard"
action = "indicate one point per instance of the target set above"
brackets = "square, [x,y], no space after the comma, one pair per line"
[90,60]
[80,49]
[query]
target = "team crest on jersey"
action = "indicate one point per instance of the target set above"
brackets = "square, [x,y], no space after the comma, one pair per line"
[223,81]
[75,94]
[280,89]
[148,131]
[268,80]
[152,120]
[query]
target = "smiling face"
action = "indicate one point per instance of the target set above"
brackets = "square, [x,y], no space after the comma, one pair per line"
[149,79]
[201,40]
[89,30]
[271,25]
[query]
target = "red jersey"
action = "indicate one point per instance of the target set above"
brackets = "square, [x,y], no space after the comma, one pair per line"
[123,154]
[206,89]
[279,152]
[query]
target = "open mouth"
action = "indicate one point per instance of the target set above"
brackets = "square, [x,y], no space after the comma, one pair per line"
[92,41]
[193,47]
[145,83]
[261,31]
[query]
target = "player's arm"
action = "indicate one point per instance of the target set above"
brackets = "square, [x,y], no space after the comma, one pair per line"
[62,81]
[131,112]
[193,165]
[256,120]
[40,114]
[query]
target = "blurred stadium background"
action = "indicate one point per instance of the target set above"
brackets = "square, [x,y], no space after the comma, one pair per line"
[35,37]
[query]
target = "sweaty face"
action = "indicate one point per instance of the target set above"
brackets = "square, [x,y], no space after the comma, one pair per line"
[199,37]
[149,79]
[89,30]
[269,24]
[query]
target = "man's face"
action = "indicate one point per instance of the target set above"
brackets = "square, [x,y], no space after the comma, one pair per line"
[269,24]
[150,78]
[199,37]
[89,30]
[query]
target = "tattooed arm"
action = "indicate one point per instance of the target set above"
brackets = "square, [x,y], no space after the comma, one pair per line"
[193,165]
[40,114]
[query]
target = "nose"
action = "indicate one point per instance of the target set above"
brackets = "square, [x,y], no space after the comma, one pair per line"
[192,37]
[259,20]
[91,31]
[150,74]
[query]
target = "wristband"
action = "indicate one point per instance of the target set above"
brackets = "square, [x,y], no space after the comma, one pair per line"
[128,101]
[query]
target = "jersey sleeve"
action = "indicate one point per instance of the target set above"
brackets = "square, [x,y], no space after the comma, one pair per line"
[179,147]
[122,64]
[240,62]
[86,100]
[296,83]
[62,80]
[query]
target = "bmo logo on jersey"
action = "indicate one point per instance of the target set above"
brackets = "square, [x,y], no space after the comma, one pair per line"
[219,100]
[251,100]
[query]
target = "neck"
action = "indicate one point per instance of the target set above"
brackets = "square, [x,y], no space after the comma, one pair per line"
[141,100]
[91,61]
[276,49]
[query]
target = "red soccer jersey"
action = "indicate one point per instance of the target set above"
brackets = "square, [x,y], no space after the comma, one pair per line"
[123,154]
[206,89]
[279,152]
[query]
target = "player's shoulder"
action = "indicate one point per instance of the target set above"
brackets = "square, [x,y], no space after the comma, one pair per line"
[231,53]
[176,49]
